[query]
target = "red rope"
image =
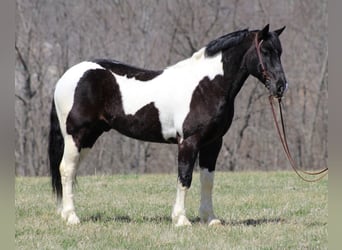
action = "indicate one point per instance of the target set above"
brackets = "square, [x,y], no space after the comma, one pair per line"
[283,140]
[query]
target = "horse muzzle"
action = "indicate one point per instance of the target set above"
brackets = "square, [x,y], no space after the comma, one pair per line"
[277,90]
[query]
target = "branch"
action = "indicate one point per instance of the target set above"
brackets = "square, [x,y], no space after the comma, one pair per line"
[216,16]
[321,82]
[264,11]
[21,99]
[21,59]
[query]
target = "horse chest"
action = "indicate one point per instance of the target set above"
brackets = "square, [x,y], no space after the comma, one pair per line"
[210,113]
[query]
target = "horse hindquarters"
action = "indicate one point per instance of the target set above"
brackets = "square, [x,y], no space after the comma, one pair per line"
[74,126]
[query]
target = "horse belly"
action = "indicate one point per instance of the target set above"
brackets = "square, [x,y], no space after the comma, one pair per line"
[151,107]
[143,125]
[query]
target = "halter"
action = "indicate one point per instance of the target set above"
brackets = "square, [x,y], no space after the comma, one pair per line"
[263,68]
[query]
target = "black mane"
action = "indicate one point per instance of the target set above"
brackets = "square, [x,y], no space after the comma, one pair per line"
[225,42]
[128,70]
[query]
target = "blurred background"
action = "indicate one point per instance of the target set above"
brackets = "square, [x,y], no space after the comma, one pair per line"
[53,35]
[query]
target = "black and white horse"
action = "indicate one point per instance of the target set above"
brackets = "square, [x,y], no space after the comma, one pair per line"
[190,104]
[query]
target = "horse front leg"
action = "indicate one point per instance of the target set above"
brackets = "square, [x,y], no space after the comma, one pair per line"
[207,161]
[187,153]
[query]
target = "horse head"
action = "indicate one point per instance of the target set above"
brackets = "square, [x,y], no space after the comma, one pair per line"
[263,61]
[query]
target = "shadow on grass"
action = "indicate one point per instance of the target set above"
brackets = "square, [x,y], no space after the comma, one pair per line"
[247,222]
[126,219]
[103,218]
[254,222]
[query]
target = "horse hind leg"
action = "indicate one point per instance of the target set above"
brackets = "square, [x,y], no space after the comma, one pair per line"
[74,153]
[68,166]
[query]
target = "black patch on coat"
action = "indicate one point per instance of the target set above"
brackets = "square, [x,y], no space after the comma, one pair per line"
[98,107]
[143,125]
[122,69]
[210,114]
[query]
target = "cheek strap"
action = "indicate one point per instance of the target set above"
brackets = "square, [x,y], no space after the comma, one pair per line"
[257,46]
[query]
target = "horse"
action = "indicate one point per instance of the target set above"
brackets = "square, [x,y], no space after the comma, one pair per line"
[190,103]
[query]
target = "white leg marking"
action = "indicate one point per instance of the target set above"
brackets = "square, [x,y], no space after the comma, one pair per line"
[178,212]
[68,170]
[206,207]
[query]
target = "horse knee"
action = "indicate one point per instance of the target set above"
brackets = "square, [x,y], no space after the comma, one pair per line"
[185,179]
[71,151]
[70,160]
[187,155]
[68,167]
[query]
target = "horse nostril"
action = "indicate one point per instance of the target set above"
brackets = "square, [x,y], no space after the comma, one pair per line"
[280,90]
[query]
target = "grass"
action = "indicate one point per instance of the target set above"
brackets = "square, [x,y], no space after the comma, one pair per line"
[273,210]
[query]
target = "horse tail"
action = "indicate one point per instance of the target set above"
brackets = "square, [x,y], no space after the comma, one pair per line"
[56,148]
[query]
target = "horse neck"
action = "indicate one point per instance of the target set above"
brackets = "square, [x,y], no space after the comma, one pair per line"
[234,71]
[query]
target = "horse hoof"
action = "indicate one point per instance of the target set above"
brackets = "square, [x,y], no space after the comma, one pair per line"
[214,222]
[70,217]
[182,221]
[73,219]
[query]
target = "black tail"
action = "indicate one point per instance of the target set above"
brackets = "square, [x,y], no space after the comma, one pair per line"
[56,148]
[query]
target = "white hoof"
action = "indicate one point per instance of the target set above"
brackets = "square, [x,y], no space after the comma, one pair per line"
[73,219]
[214,222]
[210,220]
[70,217]
[181,221]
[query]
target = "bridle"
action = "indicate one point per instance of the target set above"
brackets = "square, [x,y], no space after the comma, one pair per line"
[282,134]
[263,68]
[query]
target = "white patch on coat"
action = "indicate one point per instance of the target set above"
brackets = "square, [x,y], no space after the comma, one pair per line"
[170,91]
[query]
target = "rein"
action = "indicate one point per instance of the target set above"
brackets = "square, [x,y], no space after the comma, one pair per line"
[282,136]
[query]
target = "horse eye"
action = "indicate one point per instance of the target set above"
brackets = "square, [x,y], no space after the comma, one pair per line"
[267,53]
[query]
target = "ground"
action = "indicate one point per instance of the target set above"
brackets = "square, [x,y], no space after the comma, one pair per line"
[259,210]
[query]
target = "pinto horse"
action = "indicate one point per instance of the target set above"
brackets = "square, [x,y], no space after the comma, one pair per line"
[190,104]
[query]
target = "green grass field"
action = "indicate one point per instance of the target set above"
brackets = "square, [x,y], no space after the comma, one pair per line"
[259,210]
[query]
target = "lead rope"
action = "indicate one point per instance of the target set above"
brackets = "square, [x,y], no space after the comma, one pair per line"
[283,140]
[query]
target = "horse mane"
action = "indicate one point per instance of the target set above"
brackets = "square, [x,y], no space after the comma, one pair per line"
[225,42]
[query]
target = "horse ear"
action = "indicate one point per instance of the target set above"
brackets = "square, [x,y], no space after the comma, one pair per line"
[279,31]
[263,34]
